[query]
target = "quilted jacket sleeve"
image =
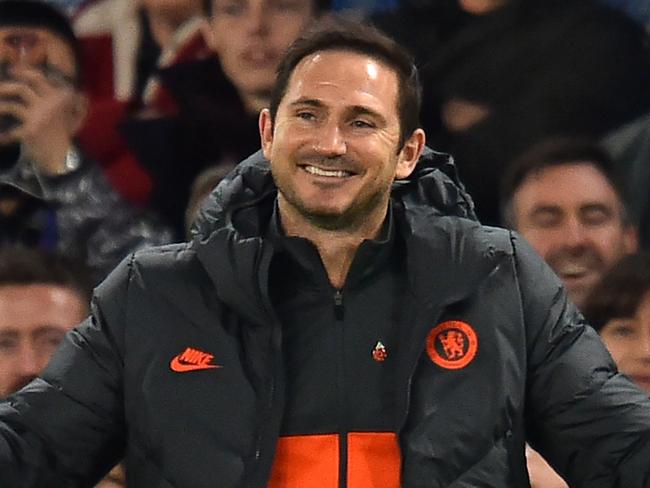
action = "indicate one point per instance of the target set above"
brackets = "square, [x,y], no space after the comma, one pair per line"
[66,428]
[591,423]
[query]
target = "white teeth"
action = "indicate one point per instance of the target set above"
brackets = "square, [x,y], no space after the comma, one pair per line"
[323,172]
[573,269]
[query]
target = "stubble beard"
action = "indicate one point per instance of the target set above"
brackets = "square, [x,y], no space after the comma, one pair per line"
[349,220]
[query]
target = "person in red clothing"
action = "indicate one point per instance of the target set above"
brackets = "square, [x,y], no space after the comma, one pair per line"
[124,44]
[197,110]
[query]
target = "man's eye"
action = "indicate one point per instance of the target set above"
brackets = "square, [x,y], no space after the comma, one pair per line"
[622,331]
[7,344]
[362,124]
[596,216]
[546,219]
[619,328]
[306,115]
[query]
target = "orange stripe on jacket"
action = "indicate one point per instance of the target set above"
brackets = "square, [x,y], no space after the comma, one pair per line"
[312,461]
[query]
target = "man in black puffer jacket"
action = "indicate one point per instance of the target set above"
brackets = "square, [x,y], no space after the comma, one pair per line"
[340,319]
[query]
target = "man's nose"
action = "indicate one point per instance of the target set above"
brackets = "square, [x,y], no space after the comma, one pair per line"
[30,361]
[575,234]
[331,141]
[258,20]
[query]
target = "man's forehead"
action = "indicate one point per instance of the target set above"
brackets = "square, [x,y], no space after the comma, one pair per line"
[568,181]
[38,294]
[329,57]
[34,306]
[566,187]
[359,72]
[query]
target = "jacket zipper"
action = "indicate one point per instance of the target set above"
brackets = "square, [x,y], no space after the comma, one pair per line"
[276,339]
[339,313]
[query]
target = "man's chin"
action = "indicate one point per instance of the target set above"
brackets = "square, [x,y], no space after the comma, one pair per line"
[328,219]
[579,291]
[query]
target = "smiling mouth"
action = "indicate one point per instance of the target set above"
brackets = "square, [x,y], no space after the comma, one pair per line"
[328,173]
[573,271]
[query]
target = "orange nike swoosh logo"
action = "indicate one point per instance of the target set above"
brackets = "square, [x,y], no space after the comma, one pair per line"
[181,367]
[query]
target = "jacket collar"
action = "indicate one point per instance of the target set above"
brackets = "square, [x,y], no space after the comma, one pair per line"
[447,248]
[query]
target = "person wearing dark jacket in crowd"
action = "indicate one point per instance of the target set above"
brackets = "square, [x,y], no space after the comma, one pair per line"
[517,71]
[51,196]
[340,318]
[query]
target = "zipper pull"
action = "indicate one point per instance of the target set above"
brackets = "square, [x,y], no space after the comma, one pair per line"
[338,305]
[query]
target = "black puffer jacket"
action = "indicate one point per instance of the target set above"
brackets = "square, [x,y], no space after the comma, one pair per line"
[493,355]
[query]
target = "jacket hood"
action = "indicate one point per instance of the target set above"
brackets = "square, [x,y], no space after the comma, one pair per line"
[434,184]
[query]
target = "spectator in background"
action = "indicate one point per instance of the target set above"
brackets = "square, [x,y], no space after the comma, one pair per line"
[125,44]
[42,296]
[219,98]
[519,71]
[619,309]
[565,199]
[51,196]
[212,103]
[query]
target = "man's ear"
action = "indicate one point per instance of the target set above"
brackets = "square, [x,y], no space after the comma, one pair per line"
[410,153]
[266,132]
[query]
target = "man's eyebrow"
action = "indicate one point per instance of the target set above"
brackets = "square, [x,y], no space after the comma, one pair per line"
[363,110]
[46,329]
[312,102]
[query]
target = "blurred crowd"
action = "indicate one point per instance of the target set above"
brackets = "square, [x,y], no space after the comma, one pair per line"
[118,117]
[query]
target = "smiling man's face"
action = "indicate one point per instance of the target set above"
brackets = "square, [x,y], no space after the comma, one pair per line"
[573,217]
[334,144]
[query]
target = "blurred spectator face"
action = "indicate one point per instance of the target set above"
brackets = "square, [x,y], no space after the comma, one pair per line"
[33,320]
[250,37]
[572,216]
[628,340]
[38,47]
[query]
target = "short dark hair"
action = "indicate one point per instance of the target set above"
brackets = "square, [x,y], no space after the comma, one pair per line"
[557,151]
[619,292]
[321,6]
[34,13]
[340,33]
[26,266]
